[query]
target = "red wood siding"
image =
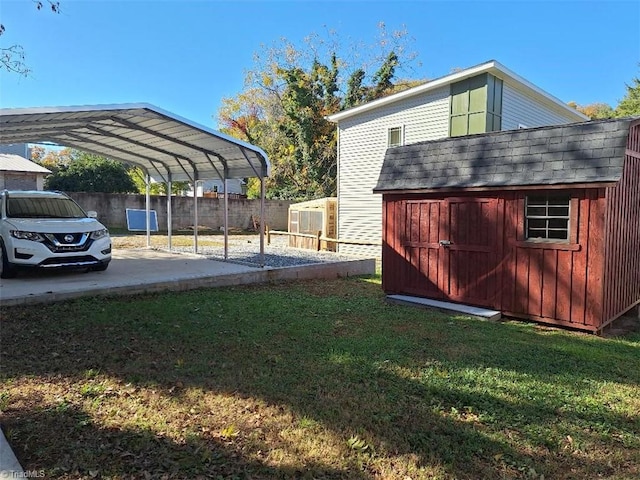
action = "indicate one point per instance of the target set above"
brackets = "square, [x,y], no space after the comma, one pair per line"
[555,283]
[622,271]
[489,263]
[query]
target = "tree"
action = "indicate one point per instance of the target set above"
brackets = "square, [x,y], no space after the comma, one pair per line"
[630,104]
[288,96]
[75,171]
[12,57]
[594,111]
[138,178]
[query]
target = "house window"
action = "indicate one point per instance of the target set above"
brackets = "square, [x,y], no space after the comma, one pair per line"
[547,217]
[394,137]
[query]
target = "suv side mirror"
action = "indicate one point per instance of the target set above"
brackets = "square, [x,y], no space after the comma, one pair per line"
[92,214]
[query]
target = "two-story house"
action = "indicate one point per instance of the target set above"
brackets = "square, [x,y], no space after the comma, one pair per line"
[485,98]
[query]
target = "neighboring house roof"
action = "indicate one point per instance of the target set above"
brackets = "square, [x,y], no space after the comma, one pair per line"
[16,163]
[493,67]
[567,154]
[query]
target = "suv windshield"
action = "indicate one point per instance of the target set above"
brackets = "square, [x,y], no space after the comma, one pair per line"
[23,207]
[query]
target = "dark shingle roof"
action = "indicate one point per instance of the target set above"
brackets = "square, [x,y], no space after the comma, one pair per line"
[573,153]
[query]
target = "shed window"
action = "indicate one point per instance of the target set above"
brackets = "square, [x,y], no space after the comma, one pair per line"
[547,217]
[394,137]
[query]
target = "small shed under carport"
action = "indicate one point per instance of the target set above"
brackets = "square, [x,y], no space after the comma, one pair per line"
[542,223]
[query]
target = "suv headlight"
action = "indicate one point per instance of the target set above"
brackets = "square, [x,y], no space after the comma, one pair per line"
[33,236]
[99,234]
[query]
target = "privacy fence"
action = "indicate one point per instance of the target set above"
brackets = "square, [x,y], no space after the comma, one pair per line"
[111,208]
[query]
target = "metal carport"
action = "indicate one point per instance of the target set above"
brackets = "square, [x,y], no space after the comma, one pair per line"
[166,147]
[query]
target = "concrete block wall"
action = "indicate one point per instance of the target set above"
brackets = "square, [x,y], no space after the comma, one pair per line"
[20,181]
[111,208]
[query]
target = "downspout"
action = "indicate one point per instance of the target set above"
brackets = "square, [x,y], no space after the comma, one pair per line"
[337,186]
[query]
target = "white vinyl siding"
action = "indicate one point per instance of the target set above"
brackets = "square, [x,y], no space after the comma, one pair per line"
[362,145]
[363,141]
[521,109]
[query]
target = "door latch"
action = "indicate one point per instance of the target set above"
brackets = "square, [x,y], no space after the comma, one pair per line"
[445,243]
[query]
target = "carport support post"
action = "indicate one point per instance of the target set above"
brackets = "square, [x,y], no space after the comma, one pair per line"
[147,206]
[226,217]
[262,194]
[169,220]
[195,216]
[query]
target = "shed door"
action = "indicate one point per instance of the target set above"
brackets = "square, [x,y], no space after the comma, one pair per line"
[450,249]
[470,250]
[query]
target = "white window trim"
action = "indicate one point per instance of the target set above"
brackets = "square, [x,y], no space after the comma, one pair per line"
[389,130]
[547,218]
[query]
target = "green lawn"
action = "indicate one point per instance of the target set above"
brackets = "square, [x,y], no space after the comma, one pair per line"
[318,379]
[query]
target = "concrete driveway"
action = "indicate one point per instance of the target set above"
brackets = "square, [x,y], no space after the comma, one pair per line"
[144,270]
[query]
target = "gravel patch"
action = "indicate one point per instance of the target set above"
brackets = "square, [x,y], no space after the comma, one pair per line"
[277,254]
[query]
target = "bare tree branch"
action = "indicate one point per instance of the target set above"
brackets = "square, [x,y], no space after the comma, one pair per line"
[12,59]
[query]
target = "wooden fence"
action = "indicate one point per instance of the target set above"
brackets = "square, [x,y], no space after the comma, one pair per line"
[319,238]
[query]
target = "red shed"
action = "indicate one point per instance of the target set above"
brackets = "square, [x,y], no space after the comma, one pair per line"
[541,223]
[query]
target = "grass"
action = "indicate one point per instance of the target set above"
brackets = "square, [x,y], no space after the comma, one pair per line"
[311,380]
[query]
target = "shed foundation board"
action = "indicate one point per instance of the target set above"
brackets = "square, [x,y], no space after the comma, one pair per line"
[454,307]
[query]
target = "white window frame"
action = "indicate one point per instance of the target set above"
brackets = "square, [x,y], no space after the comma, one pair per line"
[548,217]
[391,130]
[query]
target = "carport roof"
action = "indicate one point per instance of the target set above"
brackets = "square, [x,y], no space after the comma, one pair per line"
[138,134]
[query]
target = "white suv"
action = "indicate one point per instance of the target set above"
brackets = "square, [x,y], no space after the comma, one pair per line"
[49,230]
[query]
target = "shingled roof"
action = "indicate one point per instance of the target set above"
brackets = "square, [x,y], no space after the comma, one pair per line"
[566,154]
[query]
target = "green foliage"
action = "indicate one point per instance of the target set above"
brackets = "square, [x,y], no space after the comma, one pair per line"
[356,93]
[229,432]
[630,104]
[137,177]
[290,93]
[85,172]
[358,444]
[5,400]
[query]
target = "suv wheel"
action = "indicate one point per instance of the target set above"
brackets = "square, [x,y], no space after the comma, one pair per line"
[7,270]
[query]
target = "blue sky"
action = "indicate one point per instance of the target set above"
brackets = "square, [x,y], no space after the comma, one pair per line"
[185,56]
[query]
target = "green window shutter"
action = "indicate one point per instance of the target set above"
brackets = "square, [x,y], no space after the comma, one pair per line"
[478,94]
[494,104]
[477,122]
[469,106]
[458,126]
[459,102]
